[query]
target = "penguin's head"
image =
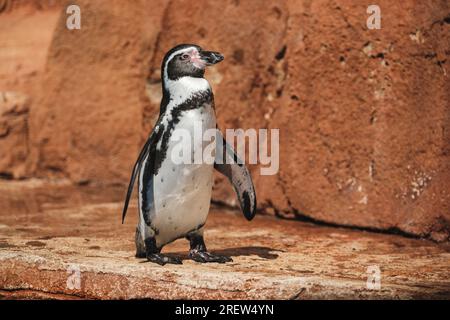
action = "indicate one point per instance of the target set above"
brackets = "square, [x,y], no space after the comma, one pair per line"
[187,60]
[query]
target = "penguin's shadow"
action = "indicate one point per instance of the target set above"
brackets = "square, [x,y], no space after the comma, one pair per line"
[262,252]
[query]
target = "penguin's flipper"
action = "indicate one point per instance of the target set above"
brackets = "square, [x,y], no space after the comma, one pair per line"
[228,163]
[137,166]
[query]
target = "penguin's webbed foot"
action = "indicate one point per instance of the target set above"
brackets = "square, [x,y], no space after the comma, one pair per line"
[204,256]
[153,253]
[198,251]
[162,259]
[140,255]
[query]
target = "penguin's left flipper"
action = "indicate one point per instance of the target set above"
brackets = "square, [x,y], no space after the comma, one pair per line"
[228,163]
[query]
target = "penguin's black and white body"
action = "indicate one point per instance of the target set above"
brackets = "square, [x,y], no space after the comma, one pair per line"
[174,198]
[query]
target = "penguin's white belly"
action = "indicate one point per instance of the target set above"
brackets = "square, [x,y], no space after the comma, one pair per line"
[182,192]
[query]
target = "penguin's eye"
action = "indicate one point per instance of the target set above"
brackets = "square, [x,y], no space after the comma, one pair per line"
[184,56]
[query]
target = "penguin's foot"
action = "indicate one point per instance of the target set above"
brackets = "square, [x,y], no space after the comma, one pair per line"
[198,251]
[162,259]
[153,253]
[204,256]
[140,255]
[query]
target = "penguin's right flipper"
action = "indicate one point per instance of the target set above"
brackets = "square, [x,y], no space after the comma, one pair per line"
[228,163]
[137,166]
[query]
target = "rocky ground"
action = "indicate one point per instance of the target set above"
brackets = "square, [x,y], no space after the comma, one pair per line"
[52,232]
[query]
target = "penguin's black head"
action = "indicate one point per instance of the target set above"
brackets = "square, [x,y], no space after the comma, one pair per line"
[187,60]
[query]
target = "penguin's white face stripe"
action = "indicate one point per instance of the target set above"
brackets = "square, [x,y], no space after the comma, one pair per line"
[185,50]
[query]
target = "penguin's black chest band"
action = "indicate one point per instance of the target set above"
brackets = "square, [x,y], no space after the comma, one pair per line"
[197,101]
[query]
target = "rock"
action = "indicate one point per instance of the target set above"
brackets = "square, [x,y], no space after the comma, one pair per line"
[13,134]
[26,30]
[63,248]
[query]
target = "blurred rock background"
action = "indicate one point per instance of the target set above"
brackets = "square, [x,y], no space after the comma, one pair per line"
[364,115]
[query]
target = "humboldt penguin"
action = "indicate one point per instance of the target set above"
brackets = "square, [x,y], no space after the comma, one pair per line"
[174,197]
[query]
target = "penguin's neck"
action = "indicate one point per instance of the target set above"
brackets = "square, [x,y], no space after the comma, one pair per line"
[185,87]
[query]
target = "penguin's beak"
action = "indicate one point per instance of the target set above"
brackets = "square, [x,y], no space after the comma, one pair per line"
[210,57]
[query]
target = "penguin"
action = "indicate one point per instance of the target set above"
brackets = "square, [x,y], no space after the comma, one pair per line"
[174,198]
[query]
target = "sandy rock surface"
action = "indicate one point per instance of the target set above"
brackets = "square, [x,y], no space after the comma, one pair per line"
[61,232]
